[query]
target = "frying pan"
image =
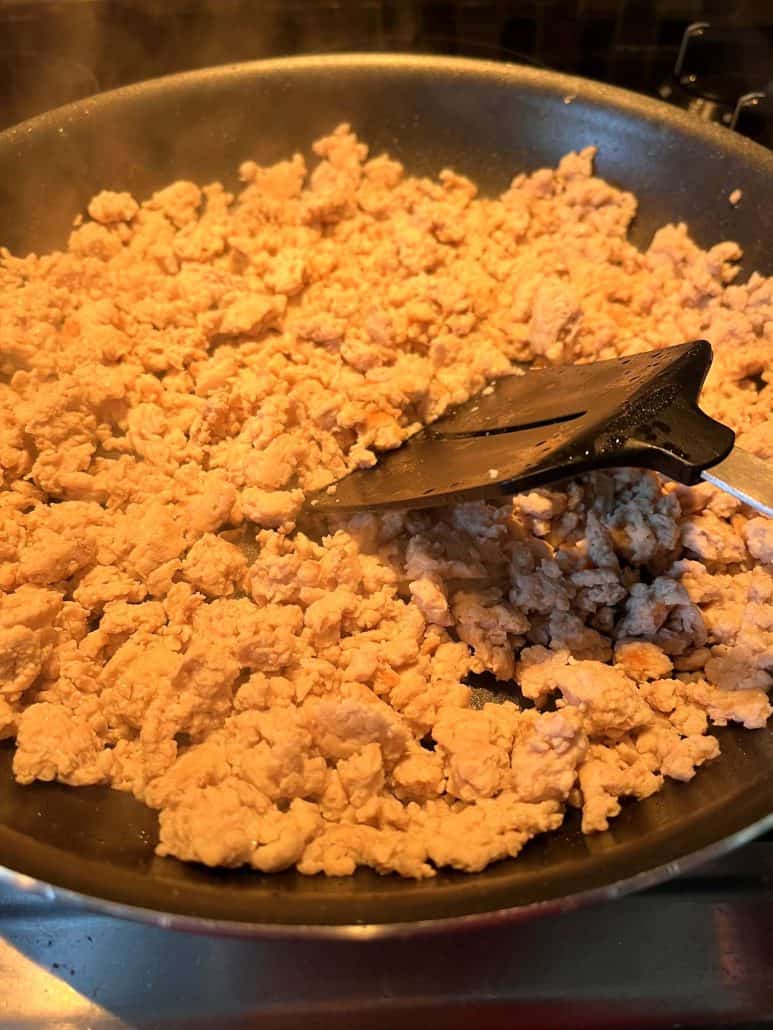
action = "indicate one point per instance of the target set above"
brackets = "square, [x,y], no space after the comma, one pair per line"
[487,121]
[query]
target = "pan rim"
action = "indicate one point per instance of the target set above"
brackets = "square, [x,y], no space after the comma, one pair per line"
[572,87]
[556,84]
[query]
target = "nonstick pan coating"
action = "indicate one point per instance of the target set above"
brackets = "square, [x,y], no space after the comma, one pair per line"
[487,121]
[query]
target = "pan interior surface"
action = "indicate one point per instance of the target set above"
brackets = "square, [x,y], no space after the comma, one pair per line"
[489,122]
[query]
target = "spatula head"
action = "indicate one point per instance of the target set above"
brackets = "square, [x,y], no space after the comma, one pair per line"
[546,425]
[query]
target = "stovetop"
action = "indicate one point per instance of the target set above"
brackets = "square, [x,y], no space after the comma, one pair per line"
[696,951]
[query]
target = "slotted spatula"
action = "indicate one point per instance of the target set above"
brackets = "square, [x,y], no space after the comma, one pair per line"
[554,423]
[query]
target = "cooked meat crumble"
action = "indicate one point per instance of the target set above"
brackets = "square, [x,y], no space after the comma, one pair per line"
[175,382]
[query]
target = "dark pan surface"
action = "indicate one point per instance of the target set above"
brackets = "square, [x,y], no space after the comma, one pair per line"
[488,121]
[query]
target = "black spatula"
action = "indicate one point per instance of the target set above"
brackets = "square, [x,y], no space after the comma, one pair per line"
[553,423]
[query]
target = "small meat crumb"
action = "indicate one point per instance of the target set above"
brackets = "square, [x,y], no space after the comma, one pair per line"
[109,207]
[271,509]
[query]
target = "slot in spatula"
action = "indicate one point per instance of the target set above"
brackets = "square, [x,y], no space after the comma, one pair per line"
[550,424]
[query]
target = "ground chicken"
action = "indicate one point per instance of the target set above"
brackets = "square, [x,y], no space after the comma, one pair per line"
[175,383]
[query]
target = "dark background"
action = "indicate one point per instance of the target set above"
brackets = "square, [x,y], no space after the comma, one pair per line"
[53,52]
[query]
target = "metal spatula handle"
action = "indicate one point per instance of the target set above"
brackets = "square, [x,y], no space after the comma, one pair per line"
[746,477]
